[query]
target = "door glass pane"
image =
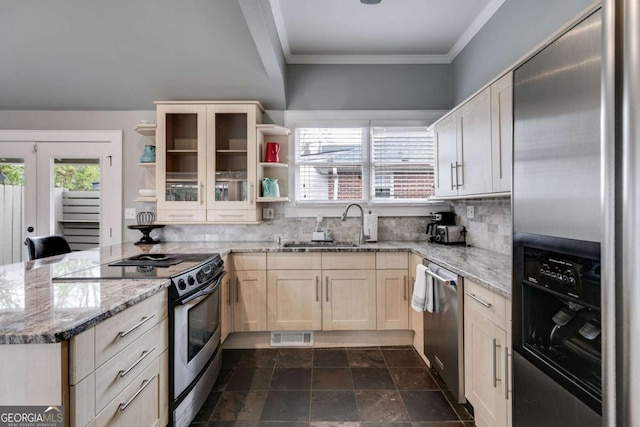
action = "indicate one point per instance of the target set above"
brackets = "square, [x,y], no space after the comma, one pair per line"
[231,157]
[182,157]
[75,196]
[12,179]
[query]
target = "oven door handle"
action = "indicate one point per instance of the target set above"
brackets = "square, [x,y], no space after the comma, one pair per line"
[204,292]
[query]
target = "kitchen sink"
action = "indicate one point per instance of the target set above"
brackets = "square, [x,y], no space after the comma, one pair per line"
[319,245]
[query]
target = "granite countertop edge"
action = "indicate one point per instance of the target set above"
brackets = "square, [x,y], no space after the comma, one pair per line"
[487,268]
[68,332]
[494,274]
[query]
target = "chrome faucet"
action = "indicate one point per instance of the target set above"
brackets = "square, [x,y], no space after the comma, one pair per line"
[363,237]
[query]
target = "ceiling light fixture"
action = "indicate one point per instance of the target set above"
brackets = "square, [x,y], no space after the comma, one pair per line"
[370,1]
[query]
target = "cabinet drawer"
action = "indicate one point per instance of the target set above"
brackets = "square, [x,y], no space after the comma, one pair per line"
[142,397]
[392,260]
[486,302]
[185,215]
[116,374]
[249,261]
[284,261]
[348,261]
[232,216]
[132,323]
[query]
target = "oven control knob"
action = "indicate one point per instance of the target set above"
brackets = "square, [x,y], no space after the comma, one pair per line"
[182,285]
[565,278]
[572,280]
[191,281]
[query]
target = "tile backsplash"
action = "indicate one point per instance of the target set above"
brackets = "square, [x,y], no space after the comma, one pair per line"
[389,228]
[490,227]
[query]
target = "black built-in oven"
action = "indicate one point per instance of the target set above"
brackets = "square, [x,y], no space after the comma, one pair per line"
[556,312]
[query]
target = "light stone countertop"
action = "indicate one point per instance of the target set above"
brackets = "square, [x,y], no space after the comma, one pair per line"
[35,309]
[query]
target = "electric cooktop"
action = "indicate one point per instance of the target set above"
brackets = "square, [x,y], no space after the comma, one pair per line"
[145,266]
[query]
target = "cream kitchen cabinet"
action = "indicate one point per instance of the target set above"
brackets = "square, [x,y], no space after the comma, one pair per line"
[294,292]
[349,301]
[474,144]
[392,290]
[206,161]
[416,318]
[232,162]
[463,149]
[502,132]
[226,308]
[249,292]
[181,162]
[486,355]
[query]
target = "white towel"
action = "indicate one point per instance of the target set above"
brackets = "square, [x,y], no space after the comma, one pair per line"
[422,298]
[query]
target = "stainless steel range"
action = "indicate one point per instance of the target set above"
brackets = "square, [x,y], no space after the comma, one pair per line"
[195,357]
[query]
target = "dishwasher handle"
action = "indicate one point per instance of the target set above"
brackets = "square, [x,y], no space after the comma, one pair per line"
[444,281]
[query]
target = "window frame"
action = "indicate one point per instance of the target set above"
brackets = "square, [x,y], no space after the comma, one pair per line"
[358,118]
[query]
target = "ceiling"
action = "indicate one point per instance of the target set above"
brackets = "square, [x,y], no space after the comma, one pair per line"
[124,54]
[394,31]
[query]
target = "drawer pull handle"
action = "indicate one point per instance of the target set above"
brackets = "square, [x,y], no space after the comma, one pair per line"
[136,363]
[473,297]
[136,326]
[317,283]
[145,383]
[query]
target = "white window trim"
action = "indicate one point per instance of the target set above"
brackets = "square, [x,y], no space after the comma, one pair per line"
[300,118]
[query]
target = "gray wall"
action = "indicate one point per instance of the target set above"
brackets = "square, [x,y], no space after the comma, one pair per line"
[515,29]
[123,55]
[368,87]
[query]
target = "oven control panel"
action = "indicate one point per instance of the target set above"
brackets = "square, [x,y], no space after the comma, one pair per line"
[569,275]
[200,276]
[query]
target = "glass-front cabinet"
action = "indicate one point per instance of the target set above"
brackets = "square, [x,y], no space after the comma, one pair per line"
[181,162]
[231,156]
[206,162]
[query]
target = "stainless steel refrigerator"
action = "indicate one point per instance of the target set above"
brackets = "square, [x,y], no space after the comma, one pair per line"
[617,209]
[557,224]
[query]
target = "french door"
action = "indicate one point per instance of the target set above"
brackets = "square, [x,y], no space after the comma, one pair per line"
[66,183]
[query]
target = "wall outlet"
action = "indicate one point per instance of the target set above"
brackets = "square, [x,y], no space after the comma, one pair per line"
[130,213]
[470,212]
[267,213]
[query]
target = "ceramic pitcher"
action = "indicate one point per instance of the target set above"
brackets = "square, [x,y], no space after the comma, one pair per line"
[149,154]
[270,187]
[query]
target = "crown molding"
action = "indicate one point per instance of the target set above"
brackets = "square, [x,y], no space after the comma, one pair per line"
[475,26]
[447,58]
[367,59]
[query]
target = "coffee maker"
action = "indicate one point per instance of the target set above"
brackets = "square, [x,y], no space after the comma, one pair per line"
[439,218]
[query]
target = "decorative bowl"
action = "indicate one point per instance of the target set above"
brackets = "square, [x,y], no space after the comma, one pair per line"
[147,192]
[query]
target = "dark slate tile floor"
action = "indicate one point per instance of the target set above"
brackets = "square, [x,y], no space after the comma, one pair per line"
[343,387]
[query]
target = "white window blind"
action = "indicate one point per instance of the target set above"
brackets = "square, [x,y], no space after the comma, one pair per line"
[402,164]
[329,163]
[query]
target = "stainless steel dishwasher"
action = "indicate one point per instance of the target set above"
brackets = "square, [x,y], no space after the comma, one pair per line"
[444,327]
